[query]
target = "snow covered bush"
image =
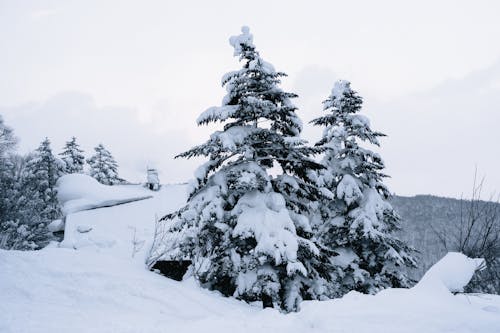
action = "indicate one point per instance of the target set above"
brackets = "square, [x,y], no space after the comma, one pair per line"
[22,236]
[247,232]
[103,166]
[355,218]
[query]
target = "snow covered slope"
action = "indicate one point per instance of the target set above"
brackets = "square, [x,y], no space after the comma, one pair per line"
[96,282]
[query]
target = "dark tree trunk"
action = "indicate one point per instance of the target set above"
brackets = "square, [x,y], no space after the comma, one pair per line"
[267,301]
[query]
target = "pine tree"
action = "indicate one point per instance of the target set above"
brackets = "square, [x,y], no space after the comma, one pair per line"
[7,144]
[357,220]
[7,139]
[247,232]
[43,169]
[73,157]
[22,216]
[103,166]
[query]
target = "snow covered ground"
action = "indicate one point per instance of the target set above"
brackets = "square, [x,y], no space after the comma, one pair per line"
[95,281]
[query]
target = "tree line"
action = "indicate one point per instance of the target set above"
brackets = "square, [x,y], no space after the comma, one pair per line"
[28,196]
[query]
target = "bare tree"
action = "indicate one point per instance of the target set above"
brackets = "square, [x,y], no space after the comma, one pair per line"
[477,235]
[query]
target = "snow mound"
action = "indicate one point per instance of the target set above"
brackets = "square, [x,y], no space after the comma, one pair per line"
[77,192]
[453,271]
[122,230]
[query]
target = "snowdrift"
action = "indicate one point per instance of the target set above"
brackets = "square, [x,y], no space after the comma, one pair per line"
[453,272]
[77,192]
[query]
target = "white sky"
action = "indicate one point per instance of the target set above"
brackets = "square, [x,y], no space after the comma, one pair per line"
[135,75]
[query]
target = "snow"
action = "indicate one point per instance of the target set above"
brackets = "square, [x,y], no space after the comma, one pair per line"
[345,257]
[56,225]
[233,137]
[152,177]
[265,66]
[102,287]
[453,271]
[116,228]
[219,113]
[265,217]
[246,38]
[339,88]
[348,189]
[359,120]
[368,214]
[78,192]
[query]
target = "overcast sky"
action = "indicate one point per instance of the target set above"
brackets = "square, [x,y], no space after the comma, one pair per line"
[135,75]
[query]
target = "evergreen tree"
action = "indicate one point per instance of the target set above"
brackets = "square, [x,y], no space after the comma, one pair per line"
[7,144]
[7,139]
[103,166]
[73,157]
[357,220]
[247,232]
[21,226]
[22,210]
[43,172]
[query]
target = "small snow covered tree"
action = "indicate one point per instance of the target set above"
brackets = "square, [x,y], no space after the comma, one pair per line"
[43,171]
[103,166]
[357,220]
[247,232]
[72,157]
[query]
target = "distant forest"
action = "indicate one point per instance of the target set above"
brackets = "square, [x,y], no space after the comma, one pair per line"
[424,217]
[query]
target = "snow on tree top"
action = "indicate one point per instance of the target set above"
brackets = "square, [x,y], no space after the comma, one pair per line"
[340,87]
[246,38]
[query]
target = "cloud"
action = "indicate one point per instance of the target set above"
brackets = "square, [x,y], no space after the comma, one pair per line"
[42,13]
[438,137]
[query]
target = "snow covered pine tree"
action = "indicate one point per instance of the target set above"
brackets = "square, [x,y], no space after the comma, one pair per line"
[8,142]
[72,157]
[23,213]
[248,233]
[43,172]
[358,221]
[103,166]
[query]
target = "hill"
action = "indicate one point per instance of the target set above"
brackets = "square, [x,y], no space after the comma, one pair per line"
[424,216]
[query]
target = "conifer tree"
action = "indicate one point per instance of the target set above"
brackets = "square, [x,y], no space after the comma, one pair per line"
[43,172]
[357,220]
[247,232]
[72,157]
[22,211]
[7,139]
[103,166]
[7,143]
